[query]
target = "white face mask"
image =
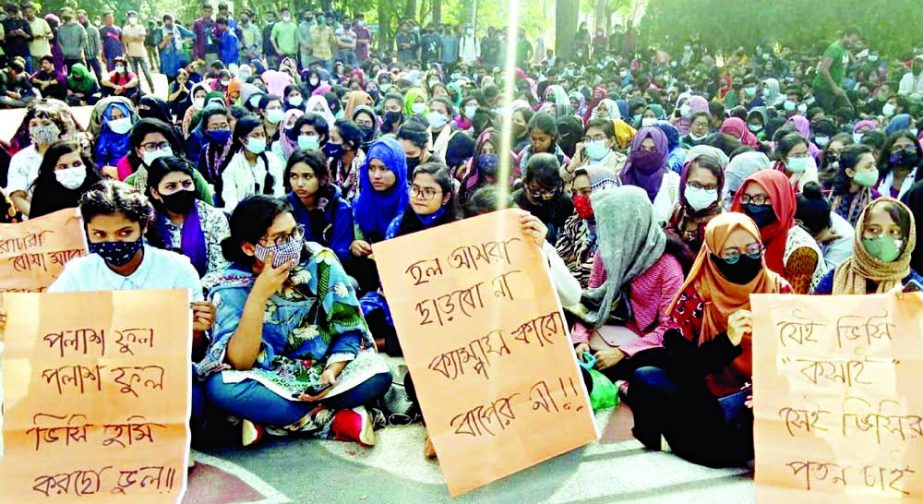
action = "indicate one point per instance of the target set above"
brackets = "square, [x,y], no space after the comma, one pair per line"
[198,103]
[857,137]
[754,127]
[888,109]
[418,108]
[700,199]
[120,126]
[225,83]
[685,110]
[436,120]
[697,138]
[296,101]
[71,178]
[149,156]
[470,110]
[822,141]
[648,121]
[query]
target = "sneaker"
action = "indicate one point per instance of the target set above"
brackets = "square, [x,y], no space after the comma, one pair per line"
[353,425]
[250,433]
[379,420]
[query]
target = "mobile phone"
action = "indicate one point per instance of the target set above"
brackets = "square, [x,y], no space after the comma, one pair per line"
[314,390]
[913,286]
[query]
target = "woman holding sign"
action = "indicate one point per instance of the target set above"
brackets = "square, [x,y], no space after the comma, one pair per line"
[291,349]
[882,250]
[695,401]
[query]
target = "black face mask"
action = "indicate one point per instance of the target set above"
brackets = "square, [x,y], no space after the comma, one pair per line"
[179,202]
[368,133]
[392,118]
[412,163]
[741,272]
[762,215]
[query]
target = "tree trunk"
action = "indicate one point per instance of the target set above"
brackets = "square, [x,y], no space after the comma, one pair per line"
[385,35]
[601,16]
[437,12]
[410,9]
[565,23]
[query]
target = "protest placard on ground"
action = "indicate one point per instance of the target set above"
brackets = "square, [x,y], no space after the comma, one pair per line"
[837,403]
[96,397]
[486,343]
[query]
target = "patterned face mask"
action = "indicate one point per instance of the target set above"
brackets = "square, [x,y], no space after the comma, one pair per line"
[281,254]
[117,253]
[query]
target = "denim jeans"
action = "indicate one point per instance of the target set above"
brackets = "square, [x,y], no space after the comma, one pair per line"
[251,399]
[140,64]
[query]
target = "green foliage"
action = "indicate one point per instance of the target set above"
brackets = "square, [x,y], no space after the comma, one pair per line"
[888,26]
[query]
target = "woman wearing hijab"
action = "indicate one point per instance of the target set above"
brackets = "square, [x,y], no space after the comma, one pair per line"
[794,159]
[899,162]
[700,188]
[803,127]
[354,100]
[415,103]
[606,109]
[383,195]
[695,404]
[112,143]
[285,145]
[693,105]
[736,128]
[739,169]
[769,199]
[317,104]
[577,243]
[82,86]
[883,247]
[853,186]
[647,168]
[635,265]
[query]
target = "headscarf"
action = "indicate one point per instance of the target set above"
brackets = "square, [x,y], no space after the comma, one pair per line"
[320,101]
[630,241]
[851,274]
[774,97]
[898,123]
[599,94]
[611,107]
[696,104]
[276,81]
[722,298]
[355,99]
[741,167]
[321,89]
[458,96]
[803,127]
[601,178]
[670,132]
[737,128]
[156,108]
[782,198]
[581,103]
[410,98]
[623,108]
[659,113]
[651,179]
[374,210]
[624,133]
[234,85]
[712,152]
[110,145]
[81,80]
[289,146]
[865,123]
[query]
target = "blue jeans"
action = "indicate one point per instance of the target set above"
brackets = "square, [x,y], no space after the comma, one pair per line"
[251,399]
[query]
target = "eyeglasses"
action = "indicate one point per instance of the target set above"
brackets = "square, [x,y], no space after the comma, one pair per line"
[296,235]
[538,193]
[424,193]
[594,138]
[758,199]
[153,146]
[732,255]
[695,185]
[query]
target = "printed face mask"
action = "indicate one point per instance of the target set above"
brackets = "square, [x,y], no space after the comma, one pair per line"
[282,254]
[117,253]
[44,135]
[71,178]
[582,206]
[883,248]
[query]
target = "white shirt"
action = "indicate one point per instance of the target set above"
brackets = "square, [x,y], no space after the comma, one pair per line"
[159,269]
[24,167]
[667,197]
[469,49]
[840,249]
[242,180]
[911,84]
[885,187]
[566,286]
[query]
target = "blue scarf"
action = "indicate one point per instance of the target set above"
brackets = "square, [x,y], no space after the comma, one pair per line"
[429,220]
[192,239]
[374,210]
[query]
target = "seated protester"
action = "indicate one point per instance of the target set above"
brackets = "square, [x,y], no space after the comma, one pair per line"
[16,89]
[215,131]
[794,159]
[45,126]
[521,117]
[757,121]
[542,195]
[739,168]
[318,204]
[597,149]
[481,171]
[310,132]
[694,403]
[251,170]
[317,104]
[383,195]
[899,163]
[876,140]
[854,185]
[392,113]
[700,189]
[914,201]
[116,217]
[294,100]
[63,177]
[432,203]
[82,86]
[768,198]
[698,131]
[459,153]
[677,157]
[151,139]
[152,107]
[543,138]
[647,169]
[286,145]
[577,242]
[121,81]
[272,369]
[271,114]
[833,234]
[179,98]
[830,160]
[197,105]
[112,143]
[439,118]
[345,156]
[367,121]
[414,138]
[882,249]
[637,271]
[46,80]
[182,222]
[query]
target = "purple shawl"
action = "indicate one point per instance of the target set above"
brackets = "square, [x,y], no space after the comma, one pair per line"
[192,237]
[647,179]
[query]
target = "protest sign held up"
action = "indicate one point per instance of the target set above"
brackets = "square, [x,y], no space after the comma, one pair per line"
[96,397]
[33,253]
[487,346]
[838,413]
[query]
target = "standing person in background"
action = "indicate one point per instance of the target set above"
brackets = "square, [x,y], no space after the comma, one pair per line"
[169,40]
[71,39]
[269,52]
[407,44]
[133,36]
[828,91]
[150,45]
[305,42]
[251,41]
[322,38]
[430,45]
[490,49]
[17,33]
[285,36]
[112,41]
[40,44]
[469,49]
[363,38]
[227,42]
[93,49]
[224,12]
[204,29]
[346,44]
[449,41]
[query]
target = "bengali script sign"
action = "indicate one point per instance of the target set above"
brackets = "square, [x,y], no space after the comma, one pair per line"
[32,253]
[485,340]
[838,402]
[96,395]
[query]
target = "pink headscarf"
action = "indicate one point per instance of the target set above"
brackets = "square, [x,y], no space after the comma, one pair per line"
[696,104]
[276,81]
[737,128]
[288,146]
[320,90]
[803,127]
[866,123]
